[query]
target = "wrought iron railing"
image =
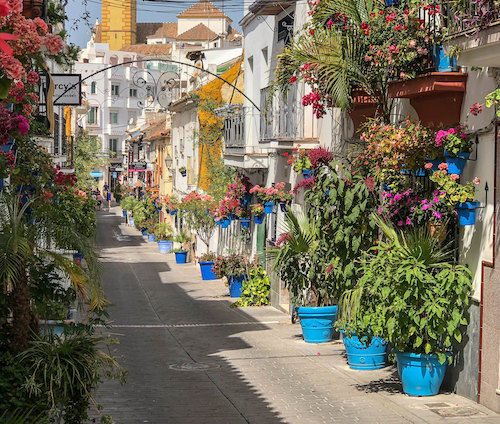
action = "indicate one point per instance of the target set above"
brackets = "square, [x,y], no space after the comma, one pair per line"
[234,126]
[469,16]
[280,118]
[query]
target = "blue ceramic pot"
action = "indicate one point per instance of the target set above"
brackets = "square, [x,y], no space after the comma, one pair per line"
[131,221]
[151,237]
[245,223]
[235,285]
[206,271]
[317,323]
[144,232]
[124,213]
[467,212]
[307,173]
[268,207]
[443,63]
[283,207]
[420,374]
[181,257]
[259,219]
[363,357]
[456,164]
[224,223]
[174,212]
[165,246]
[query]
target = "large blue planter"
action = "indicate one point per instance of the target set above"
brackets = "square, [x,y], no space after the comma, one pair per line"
[245,222]
[259,219]
[307,173]
[235,285]
[467,212]
[131,221]
[151,237]
[144,232]
[206,270]
[420,374]
[443,63]
[174,212]
[456,164]
[362,357]
[165,246]
[224,223]
[268,207]
[124,213]
[317,323]
[181,257]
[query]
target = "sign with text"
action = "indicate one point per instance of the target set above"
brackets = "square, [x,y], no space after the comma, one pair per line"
[67,89]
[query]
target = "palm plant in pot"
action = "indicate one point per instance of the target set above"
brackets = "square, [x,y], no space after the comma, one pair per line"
[163,234]
[412,294]
[181,253]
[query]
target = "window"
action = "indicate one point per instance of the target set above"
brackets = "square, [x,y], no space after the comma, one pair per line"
[113,117]
[113,143]
[92,115]
[93,87]
[115,90]
[265,55]
[250,63]
[133,92]
[132,116]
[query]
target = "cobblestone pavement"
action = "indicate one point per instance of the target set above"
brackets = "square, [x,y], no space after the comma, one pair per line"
[193,359]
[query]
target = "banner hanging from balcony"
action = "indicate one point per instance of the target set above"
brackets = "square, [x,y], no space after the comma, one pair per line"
[67,89]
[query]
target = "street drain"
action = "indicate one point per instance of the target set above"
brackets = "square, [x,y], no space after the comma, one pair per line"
[192,366]
[465,411]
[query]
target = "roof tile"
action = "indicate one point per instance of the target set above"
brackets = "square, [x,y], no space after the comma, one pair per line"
[203,9]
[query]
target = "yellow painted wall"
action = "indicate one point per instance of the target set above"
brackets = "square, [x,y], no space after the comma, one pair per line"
[119,23]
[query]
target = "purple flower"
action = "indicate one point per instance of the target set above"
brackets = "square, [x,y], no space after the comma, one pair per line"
[380,210]
[391,202]
[412,208]
[396,211]
[408,221]
[435,192]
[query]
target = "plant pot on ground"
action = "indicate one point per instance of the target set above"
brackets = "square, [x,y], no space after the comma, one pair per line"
[180,255]
[413,295]
[206,262]
[163,234]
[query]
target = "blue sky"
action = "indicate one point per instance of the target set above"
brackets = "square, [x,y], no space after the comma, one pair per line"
[148,11]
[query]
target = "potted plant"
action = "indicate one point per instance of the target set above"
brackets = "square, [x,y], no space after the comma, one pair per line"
[457,147]
[180,255]
[412,294]
[457,196]
[127,205]
[245,218]
[284,198]
[301,163]
[183,171]
[256,289]
[163,235]
[235,268]
[258,212]
[206,262]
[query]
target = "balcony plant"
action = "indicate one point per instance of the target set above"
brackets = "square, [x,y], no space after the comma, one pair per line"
[411,293]
[457,147]
[183,171]
[258,212]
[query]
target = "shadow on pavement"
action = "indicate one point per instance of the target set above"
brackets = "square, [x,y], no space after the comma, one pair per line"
[391,385]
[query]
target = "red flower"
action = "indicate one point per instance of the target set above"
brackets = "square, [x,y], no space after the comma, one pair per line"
[476,109]
[285,154]
[293,78]
[4,8]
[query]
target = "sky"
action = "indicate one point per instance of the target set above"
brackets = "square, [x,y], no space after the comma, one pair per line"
[147,11]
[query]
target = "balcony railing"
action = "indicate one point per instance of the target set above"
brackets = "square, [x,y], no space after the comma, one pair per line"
[234,126]
[468,16]
[280,118]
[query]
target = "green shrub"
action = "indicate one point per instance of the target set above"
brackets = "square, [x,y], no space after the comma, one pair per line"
[256,290]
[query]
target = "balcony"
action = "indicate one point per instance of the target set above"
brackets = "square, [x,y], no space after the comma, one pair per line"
[234,125]
[468,17]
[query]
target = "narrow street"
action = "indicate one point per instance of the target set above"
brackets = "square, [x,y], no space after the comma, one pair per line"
[192,359]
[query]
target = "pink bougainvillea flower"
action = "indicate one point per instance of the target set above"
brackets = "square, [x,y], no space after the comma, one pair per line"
[4,8]
[476,180]
[3,42]
[293,78]
[32,78]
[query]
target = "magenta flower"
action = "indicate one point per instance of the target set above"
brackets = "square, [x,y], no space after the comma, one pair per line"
[408,221]
[425,207]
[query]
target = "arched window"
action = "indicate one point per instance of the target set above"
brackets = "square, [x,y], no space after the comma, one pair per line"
[93,87]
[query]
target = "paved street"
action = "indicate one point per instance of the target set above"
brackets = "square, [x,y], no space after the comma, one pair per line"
[192,359]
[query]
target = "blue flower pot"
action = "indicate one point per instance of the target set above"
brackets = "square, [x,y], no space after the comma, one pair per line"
[131,221]
[124,213]
[224,223]
[206,270]
[268,207]
[283,207]
[77,257]
[245,201]
[245,223]
[174,212]
[235,285]
[317,323]
[151,237]
[362,357]
[183,173]
[307,173]
[419,172]
[144,232]
[233,217]
[467,212]
[165,246]
[53,326]
[181,257]
[456,164]
[259,219]
[443,63]
[420,374]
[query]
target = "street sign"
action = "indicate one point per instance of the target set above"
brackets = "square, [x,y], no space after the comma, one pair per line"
[115,175]
[64,92]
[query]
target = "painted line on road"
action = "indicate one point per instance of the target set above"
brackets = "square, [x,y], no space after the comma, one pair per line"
[224,324]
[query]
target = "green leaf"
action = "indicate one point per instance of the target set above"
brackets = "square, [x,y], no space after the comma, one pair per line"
[458,335]
[418,341]
[427,348]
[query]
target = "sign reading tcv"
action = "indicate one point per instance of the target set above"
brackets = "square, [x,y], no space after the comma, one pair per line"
[66,93]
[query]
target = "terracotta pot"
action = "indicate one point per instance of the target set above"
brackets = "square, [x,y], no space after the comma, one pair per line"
[437,231]
[34,8]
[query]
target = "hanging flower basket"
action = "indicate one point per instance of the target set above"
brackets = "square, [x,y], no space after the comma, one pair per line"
[268,207]
[258,219]
[467,212]
[456,164]
[307,173]
[245,222]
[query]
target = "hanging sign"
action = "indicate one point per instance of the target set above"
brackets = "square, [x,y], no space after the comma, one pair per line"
[66,93]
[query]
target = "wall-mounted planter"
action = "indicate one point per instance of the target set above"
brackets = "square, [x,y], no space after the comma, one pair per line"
[467,212]
[443,63]
[456,164]
[268,207]
[283,206]
[363,107]
[183,173]
[307,173]
[259,219]
[437,96]
[245,222]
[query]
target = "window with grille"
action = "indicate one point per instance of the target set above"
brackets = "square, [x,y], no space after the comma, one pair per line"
[115,90]
[92,115]
[93,87]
